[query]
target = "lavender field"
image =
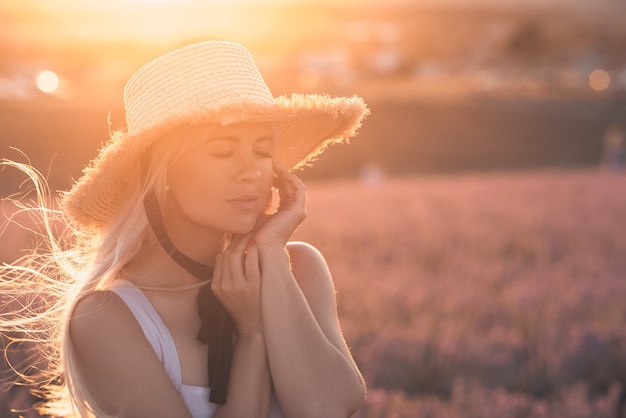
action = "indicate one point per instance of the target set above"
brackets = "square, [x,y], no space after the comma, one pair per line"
[487,295]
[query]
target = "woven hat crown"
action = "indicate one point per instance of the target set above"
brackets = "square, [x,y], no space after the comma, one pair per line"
[206,82]
[199,76]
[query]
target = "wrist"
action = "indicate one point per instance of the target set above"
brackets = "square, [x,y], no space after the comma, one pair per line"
[274,261]
[274,252]
[272,245]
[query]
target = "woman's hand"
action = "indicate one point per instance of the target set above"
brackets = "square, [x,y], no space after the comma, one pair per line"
[277,228]
[237,283]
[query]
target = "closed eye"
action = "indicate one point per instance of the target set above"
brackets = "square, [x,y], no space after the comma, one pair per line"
[220,148]
[225,147]
[265,154]
[265,147]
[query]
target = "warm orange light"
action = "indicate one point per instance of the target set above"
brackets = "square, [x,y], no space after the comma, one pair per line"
[599,80]
[154,1]
[47,81]
[163,24]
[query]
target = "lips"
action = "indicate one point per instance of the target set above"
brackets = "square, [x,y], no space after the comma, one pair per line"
[245,200]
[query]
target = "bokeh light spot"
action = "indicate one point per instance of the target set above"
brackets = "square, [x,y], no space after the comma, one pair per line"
[47,81]
[599,80]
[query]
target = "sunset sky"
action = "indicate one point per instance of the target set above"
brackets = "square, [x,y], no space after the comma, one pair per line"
[169,21]
[152,21]
[99,43]
[78,54]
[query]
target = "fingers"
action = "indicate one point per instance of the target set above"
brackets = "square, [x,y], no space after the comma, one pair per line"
[291,188]
[276,229]
[251,263]
[228,267]
[235,254]
[279,168]
[285,177]
[237,264]
[237,283]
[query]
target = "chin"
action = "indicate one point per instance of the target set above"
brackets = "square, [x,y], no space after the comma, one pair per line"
[241,231]
[237,222]
[243,227]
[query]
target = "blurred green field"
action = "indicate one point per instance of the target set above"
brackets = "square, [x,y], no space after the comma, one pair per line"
[486,295]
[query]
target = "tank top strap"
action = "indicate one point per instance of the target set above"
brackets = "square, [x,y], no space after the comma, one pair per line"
[152,326]
[159,337]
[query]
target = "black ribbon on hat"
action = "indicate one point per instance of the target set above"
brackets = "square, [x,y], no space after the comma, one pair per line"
[217,327]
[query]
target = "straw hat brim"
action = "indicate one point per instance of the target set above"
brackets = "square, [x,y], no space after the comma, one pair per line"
[307,124]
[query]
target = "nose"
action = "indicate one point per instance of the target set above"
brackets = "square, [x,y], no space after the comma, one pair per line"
[248,169]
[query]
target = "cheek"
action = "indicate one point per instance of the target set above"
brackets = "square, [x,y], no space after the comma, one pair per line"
[193,181]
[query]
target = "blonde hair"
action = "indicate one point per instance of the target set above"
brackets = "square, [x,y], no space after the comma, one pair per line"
[67,263]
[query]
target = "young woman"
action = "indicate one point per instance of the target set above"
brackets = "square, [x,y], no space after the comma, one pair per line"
[178,293]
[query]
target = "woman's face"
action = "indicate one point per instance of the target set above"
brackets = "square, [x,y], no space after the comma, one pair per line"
[223,183]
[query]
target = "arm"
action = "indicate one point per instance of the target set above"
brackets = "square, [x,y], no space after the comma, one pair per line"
[313,372]
[312,369]
[237,283]
[249,384]
[118,365]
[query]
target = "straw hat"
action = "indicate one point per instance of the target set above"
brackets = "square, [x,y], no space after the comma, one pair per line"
[212,81]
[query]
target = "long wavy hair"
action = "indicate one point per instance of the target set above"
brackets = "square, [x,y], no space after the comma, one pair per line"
[40,289]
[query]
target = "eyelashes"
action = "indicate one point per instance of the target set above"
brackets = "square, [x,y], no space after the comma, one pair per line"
[265,154]
[229,154]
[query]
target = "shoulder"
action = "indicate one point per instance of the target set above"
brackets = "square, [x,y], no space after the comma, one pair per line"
[306,260]
[101,315]
[94,305]
[98,303]
[312,274]
[302,247]
[109,347]
[303,255]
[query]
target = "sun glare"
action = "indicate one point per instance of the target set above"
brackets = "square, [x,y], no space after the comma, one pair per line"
[599,80]
[47,81]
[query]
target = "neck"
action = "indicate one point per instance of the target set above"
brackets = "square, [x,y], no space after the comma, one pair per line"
[190,249]
[187,244]
[199,245]
[155,268]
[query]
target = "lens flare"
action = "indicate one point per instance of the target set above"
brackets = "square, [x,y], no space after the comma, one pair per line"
[47,81]
[599,80]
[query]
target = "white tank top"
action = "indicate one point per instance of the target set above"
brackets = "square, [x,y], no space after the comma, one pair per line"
[159,337]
